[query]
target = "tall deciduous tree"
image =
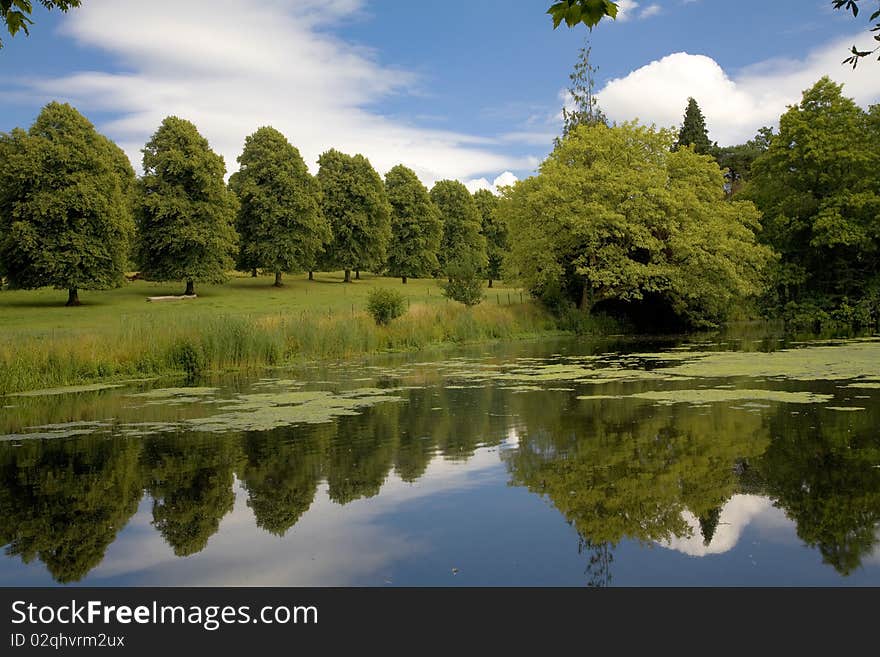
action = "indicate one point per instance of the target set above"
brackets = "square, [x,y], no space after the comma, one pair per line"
[693,131]
[494,229]
[356,205]
[818,188]
[280,223]
[16,14]
[185,213]
[65,218]
[585,108]
[617,220]
[463,247]
[416,228]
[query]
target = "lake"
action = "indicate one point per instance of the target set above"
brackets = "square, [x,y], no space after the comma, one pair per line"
[705,460]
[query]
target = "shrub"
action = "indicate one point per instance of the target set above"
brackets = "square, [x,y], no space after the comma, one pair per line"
[464,286]
[385,305]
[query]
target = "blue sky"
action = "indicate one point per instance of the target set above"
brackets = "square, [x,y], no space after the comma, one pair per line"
[466,89]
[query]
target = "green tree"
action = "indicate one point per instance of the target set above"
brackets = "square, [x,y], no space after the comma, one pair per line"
[64,501]
[355,203]
[818,188]
[463,247]
[494,229]
[280,223]
[16,14]
[737,160]
[65,216]
[588,12]
[616,221]
[416,227]
[185,213]
[693,130]
[853,6]
[585,109]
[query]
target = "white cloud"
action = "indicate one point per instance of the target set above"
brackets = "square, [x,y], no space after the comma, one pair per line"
[735,106]
[629,9]
[650,10]
[506,178]
[737,513]
[231,67]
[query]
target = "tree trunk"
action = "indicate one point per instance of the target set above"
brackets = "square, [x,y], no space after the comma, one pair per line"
[190,288]
[490,283]
[404,279]
[72,297]
[586,299]
[254,272]
[278,282]
[311,275]
[357,274]
[348,275]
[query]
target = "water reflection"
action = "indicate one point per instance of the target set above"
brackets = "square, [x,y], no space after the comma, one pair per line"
[619,470]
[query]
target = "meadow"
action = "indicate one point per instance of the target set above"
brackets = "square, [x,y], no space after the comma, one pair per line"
[243,325]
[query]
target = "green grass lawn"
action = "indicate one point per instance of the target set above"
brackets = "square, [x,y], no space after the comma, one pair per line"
[38,312]
[243,325]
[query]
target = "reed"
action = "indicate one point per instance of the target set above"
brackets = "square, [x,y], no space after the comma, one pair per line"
[199,344]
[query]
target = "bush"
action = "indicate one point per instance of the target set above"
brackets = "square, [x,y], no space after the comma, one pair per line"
[385,305]
[465,287]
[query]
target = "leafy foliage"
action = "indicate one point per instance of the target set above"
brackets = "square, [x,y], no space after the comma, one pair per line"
[615,220]
[853,6]
[280,223]
[185,213]
[416,228]
[357,207]
[494,229]
[818,188]
[463,247]
[588,12]
[585,110]
[465,286]
[65,215]
[737,160]
[693,131]
[385,305]
[16,14]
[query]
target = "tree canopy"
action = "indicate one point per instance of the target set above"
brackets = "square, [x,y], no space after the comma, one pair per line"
[16,14]
[65,216]
[280,222]
[818,188]
[463,247]
[185,214]
[357,207]
[416,227]
[693,131]
[585,108]
[494,229]
[616,220]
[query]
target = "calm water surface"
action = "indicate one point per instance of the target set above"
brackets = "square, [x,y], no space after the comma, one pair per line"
[683,462]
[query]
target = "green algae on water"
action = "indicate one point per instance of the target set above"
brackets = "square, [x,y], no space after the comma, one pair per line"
[714,395]
[66,390]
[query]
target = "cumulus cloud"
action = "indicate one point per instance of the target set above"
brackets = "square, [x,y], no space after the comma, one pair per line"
[506,178]
[735,106]
[231,67]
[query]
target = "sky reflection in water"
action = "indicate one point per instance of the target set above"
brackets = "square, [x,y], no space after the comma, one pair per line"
[528,464]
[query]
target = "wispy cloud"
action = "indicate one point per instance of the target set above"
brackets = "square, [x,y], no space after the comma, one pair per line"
[231,67]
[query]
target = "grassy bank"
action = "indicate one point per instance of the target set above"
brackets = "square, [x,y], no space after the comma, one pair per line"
[244,325]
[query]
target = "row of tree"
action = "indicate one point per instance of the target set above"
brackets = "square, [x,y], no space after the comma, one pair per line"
[73,215]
